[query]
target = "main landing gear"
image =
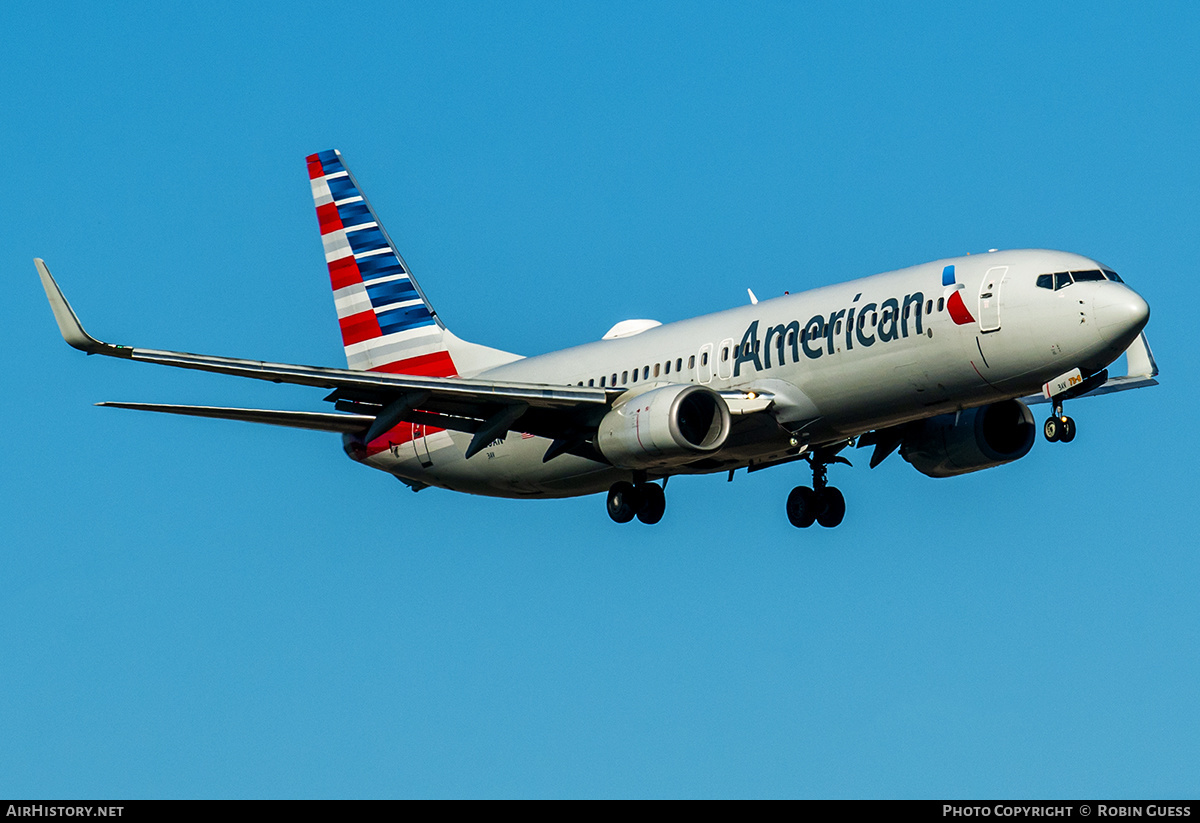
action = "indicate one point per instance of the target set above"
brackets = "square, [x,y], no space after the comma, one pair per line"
[643,500]
[821,504]
[1058,427]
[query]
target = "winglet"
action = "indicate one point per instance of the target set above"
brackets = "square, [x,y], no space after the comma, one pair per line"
[68,323]
[1140,359]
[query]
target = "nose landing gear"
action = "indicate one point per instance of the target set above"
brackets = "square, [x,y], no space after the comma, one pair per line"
[822,503]
[1058,427]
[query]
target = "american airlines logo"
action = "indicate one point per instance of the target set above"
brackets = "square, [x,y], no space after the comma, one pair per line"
[865,325]
[893,319]
[954,302]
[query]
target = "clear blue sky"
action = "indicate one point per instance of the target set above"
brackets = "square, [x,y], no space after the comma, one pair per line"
[203,608]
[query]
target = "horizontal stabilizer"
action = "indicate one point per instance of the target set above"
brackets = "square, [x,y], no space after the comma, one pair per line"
[316,421]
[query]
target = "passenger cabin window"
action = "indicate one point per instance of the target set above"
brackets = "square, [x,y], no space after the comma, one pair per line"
[656,369]
[678,364]
[692,362]
[704,359]
[625,376]
[601,381]
[592,382]
[941,302]
[645,372]
[614,378]
[724,354]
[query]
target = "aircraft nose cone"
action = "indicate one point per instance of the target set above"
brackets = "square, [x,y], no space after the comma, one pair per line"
[1120,311]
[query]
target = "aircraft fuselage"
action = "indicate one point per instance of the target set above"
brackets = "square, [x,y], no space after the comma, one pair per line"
[861,355]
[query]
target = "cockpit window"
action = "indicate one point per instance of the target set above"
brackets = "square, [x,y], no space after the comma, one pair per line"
[1062,279]
[1113,276]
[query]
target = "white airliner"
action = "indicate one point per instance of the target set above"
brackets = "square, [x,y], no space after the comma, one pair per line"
[937,360]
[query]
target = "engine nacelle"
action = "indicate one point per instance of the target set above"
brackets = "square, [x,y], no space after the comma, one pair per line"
[667,426]
[980,439]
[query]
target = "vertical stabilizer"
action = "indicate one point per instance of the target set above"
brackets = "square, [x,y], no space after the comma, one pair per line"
[386,321]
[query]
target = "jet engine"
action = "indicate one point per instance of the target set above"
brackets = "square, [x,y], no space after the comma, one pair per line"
[970,440]
[667,426]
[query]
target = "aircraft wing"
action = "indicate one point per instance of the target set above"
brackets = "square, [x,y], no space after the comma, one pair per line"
[486,408]
[1141,371]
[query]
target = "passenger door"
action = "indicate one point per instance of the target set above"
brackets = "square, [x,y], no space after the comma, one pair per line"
[989,299]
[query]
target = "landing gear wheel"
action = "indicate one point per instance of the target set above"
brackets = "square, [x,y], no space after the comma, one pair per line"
[821,504]
[622,502]
[1053,429]
[653,503]
[1068,430]
[802,507]
[832,505]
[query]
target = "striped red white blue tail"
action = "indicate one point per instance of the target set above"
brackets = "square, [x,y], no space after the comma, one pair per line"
[386,321]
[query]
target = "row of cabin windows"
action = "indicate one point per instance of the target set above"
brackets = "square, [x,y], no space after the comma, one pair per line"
[645,371]
[665,368]
[1062,279]
[1054,282]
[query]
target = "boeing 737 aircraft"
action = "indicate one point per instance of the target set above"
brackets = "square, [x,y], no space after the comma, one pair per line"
[938,360]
